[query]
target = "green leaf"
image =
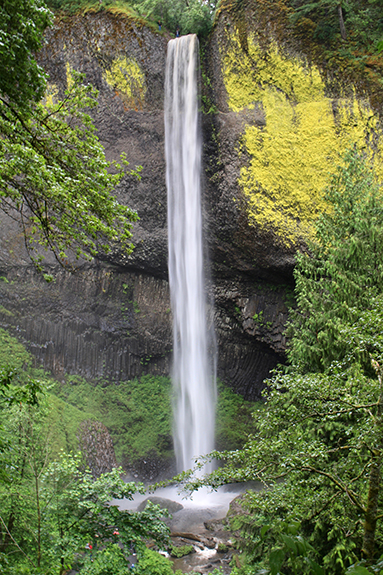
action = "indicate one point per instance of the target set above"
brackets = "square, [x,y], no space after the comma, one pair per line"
[290,543]
[276,559]
[357,570]
[264,530]
[317,569]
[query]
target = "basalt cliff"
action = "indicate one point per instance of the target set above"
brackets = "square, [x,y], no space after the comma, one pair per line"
[274,122]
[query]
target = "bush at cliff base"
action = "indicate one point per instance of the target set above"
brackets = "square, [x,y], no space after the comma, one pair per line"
[112,560]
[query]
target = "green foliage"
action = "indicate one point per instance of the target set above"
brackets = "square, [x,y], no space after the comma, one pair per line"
[54,178]
[342,275]
[258,317]
[24,455]
[318,443]
[23,383]
[283,549]
[191,16]
[137,413]
[314,433]
[152,563]
[362,20]
[108,560]
[50,506]
[234,421]
[180,550]
[22,24]
[62,424]
[12,390]
[49,511]
[13,352]
[360,569]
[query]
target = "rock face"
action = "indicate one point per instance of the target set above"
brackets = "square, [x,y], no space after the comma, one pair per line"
[96,443]
[280,127]
[112,319]
[100,323]
[274,134]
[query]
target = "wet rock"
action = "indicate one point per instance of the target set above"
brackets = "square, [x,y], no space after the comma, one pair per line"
[191,536]
[180,541]
[97,446]
[171,506]
[215,524]
[209,542]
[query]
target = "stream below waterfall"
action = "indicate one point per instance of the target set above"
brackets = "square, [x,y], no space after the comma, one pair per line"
[198,521]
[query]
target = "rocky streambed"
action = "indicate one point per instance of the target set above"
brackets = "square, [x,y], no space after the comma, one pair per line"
[200,538]
[208,549]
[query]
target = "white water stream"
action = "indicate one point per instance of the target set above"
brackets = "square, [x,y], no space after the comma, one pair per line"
[193,343]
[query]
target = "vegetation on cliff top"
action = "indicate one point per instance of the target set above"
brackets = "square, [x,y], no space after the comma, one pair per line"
[188,16]
[350,31]
[344,31]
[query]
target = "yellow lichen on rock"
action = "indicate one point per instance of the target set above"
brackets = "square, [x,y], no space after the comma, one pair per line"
[69,76]
[50,96]
[303,137]
[127,79]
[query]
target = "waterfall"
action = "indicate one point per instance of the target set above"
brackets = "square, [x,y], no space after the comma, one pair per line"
[193,342]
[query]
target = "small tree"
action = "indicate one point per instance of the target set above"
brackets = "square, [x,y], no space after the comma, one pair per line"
[342,273]
[54,178]
[79,510]
[50,509]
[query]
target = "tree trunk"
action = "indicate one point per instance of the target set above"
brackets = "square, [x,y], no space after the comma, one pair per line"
[343,32]
[38,520]
[372,507]
[7,538]
[374,479]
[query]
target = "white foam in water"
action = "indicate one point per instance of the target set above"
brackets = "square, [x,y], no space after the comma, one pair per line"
[217,501]
[194,367]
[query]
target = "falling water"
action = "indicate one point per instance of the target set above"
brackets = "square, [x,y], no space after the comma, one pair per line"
[193,370]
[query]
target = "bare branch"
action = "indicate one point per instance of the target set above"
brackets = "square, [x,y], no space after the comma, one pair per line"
[18,547]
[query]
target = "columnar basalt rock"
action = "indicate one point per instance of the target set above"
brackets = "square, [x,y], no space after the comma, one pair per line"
[99,322]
